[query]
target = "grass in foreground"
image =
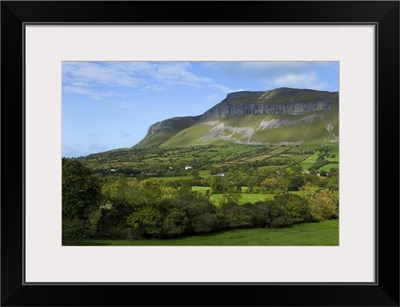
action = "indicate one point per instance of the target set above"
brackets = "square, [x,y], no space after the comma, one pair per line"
[325,233]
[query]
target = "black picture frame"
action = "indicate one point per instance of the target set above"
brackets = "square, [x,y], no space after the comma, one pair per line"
[383,14]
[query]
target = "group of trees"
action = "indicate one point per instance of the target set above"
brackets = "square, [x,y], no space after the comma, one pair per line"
[114,207]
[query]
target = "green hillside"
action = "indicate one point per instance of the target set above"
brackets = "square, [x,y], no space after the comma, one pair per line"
[282,116]
[260,129]
[158,135]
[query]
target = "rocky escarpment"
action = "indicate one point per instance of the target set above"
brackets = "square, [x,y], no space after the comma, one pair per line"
[172,123]
[279,101]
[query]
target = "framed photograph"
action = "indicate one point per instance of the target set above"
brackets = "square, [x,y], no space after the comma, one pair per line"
[242,153]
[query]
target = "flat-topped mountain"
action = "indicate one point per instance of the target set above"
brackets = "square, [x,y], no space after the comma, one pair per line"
[279,116]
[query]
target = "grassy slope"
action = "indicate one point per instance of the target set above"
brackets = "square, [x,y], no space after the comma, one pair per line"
[314,131]
[188,136]
[175,125]
[157,139]
[325,233]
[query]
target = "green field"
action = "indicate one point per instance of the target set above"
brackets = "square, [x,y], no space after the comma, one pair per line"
[245,198]
[169,163]
[253,198]
[309,161]
[327,167]
[325,233]
[333,150]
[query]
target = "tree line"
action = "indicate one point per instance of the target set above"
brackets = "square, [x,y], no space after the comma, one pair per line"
[113,207]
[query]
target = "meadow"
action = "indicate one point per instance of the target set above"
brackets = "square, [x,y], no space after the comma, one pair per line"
[325,233]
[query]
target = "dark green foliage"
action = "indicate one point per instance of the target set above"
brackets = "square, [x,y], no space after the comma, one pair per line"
[278,215]
[202,216]
[81,191]
[296,181]
[234,216]
[147,220]
[175,223]
[81,196]
[74,229]
[296,206]
[259,214]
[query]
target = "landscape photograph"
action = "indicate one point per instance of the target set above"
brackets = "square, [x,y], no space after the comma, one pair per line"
[214,153]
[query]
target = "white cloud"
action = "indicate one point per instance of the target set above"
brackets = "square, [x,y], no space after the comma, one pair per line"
[177,74]
[258,69]
[224,89]
[156,88]
[93,73]
[75,89]
[308,79]
[101,95]
[301,73]
[293,79]
[92,78]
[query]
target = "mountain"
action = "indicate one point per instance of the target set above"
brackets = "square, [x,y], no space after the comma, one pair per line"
[279,116]
[162,131]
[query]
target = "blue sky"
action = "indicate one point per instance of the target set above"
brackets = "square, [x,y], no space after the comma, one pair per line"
[109,105]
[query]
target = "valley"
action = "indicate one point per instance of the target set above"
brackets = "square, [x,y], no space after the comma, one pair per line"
[257,160]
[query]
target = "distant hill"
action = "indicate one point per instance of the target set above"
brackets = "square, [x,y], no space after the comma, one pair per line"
[283,116]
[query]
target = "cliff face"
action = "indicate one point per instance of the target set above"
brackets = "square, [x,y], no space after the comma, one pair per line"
[279,101]
[165,124]
[279,108]
[175,123]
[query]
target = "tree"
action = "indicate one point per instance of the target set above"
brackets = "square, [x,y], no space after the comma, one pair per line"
[278,215]
[150,192]
[219,185]
[200,213]
[147,220]
[297,207]
[269,185]
[232,215]
[296,181]
[323,203]
[81,196]
[175,223]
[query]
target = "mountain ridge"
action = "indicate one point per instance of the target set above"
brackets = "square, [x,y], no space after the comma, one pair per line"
[254,117]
